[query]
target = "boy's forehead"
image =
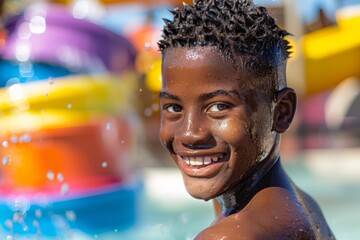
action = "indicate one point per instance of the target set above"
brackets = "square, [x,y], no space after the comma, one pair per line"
[196,56]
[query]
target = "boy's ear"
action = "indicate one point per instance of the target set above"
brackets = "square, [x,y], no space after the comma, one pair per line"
[285,106]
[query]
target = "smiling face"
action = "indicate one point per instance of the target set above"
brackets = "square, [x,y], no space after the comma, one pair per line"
[216,125]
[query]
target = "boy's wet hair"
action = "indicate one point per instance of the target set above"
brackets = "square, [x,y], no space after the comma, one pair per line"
[244,32]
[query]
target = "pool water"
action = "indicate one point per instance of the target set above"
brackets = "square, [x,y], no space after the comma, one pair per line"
[167,212]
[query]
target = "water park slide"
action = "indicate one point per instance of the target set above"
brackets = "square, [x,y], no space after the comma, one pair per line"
[332,54]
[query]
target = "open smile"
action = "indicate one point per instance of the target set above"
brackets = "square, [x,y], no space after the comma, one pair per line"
[202,166]
[201,161]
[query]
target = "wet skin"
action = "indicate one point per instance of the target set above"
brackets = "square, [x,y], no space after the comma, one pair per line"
[223,134]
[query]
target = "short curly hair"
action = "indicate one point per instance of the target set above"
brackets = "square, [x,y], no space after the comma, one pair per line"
[238,28]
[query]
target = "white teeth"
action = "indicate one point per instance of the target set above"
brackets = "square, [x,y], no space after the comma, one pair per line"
[199,161]
[192,161]
[187,160]
[207,160]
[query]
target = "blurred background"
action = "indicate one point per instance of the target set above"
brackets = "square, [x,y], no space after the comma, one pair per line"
[79,119]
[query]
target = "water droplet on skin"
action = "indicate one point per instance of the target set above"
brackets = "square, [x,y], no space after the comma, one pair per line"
[104,164]
[6,161]
[108,126]
[50,175]
[64,189]
[5,144]
[69,106]
[122,142]
[60,177]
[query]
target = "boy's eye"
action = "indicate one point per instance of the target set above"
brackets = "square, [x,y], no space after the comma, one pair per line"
[218,107]
[173,108]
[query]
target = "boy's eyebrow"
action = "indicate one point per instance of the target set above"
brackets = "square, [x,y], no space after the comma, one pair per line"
[210,95]
[169,96]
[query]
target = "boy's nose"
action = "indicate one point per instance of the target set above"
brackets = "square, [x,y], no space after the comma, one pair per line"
[193,133]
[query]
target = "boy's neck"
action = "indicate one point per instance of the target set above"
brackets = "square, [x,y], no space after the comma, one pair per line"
[238,197]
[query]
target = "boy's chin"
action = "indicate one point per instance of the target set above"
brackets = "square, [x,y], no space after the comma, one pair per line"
[200,191]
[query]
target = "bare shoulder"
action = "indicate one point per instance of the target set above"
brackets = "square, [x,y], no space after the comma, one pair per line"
[273,213]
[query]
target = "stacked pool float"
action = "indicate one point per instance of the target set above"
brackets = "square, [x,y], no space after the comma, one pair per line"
[67,128]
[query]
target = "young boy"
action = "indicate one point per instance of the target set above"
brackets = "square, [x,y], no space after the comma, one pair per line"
[224,105]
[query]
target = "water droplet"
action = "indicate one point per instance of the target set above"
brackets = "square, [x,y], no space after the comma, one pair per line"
[46,94]
[17,217]
[36,224]
[71,216]
[301,230]
[60,177]
[69,106]
[9,237]
[148,112]
[6,161]
[140,89]
[96,236]
[147,46]
[64,189]
[184,218]
[108,126]
[50,175]
[104,164]
[25,138]
[122,142]
[38,213]
[25,228]
[116,230]
[14,139]
[51,81]
[5,144]
[155,107]
[9,224]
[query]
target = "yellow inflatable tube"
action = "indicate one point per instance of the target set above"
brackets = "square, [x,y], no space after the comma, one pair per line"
[332,54]
[65,102]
